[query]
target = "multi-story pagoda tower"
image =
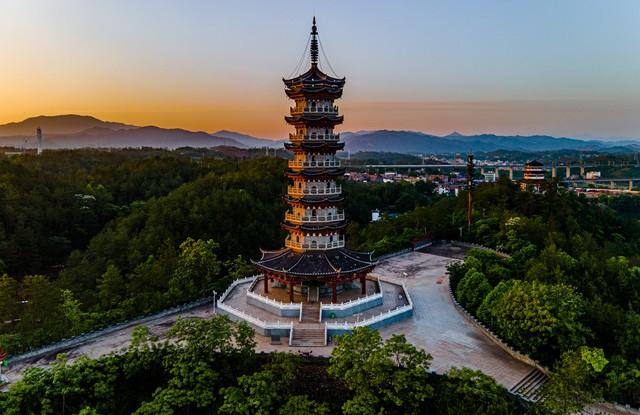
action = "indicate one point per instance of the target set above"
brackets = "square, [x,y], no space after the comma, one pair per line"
[314,260]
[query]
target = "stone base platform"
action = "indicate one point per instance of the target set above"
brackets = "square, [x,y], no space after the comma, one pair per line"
[313,323]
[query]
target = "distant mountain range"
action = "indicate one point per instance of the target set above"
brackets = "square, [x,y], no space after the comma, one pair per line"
[413,142]
[76,131]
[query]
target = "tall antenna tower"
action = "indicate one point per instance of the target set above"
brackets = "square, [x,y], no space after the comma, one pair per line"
[469,190]
[39,140]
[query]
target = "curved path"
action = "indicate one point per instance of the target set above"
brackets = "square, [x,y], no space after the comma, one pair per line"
[439,328]
[436,326]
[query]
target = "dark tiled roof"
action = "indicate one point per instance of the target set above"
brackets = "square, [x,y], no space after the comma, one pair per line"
[314,76]
[325,146]
[534,163]
[315,264]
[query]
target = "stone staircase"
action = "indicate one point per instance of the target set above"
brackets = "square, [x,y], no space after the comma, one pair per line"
[310,313]
[529,387]
[308,335]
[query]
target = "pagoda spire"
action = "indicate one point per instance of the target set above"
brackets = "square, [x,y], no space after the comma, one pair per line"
[314,43]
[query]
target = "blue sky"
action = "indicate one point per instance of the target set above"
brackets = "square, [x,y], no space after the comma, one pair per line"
[553,67]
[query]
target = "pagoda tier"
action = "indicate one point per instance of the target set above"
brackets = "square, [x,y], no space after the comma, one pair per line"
[305,146]
[312,201]
[314,119]
[322,174]
[326,228]
[317,265]
[314,83]
[315,247]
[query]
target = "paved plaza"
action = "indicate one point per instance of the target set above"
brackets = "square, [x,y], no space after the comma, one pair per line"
[436,325]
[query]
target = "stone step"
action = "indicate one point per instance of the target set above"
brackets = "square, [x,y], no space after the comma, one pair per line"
[529,387]
[307,336]
[310,312]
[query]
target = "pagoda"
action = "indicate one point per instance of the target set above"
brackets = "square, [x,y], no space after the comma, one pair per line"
[314,259]
[534,174]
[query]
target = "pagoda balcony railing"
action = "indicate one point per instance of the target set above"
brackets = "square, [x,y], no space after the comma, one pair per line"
[292,190]
[315,137]
[314,245]
[313,219]
[315,110]
[310,163]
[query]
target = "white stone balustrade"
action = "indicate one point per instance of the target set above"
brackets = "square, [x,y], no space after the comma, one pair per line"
[313,219]
[306,245]
[302,191]
[317,163]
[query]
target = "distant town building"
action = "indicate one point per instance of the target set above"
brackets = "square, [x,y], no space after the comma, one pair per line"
[375,215]
[490,177]
[593,175]
[534,176]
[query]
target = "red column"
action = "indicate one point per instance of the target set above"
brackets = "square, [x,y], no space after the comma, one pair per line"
[291,292]
[363,283]
[266,284]
[334,292]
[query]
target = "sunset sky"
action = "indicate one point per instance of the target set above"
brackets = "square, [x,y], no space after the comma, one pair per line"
[566,68]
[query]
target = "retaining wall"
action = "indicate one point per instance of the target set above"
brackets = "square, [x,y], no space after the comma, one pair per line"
[66,344]
[351,308]
[494,338]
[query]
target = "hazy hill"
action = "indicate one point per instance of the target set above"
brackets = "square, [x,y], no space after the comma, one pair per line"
[249,141]
[74,131]
[57,124]
[417,142]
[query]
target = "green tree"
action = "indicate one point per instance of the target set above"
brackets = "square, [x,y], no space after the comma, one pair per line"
[302,405]
[210,351]
[259,392]
[197,270]
[472,290]
[75,319]
[553,265]
[239,268]
[386,377]
[463,391]
[543,319]
[573,383]
[111,287]
[9,300]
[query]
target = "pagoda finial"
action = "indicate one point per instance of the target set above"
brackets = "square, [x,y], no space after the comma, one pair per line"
[314,43]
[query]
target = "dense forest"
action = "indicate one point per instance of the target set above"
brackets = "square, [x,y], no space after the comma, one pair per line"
[571,283]
[89,238]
